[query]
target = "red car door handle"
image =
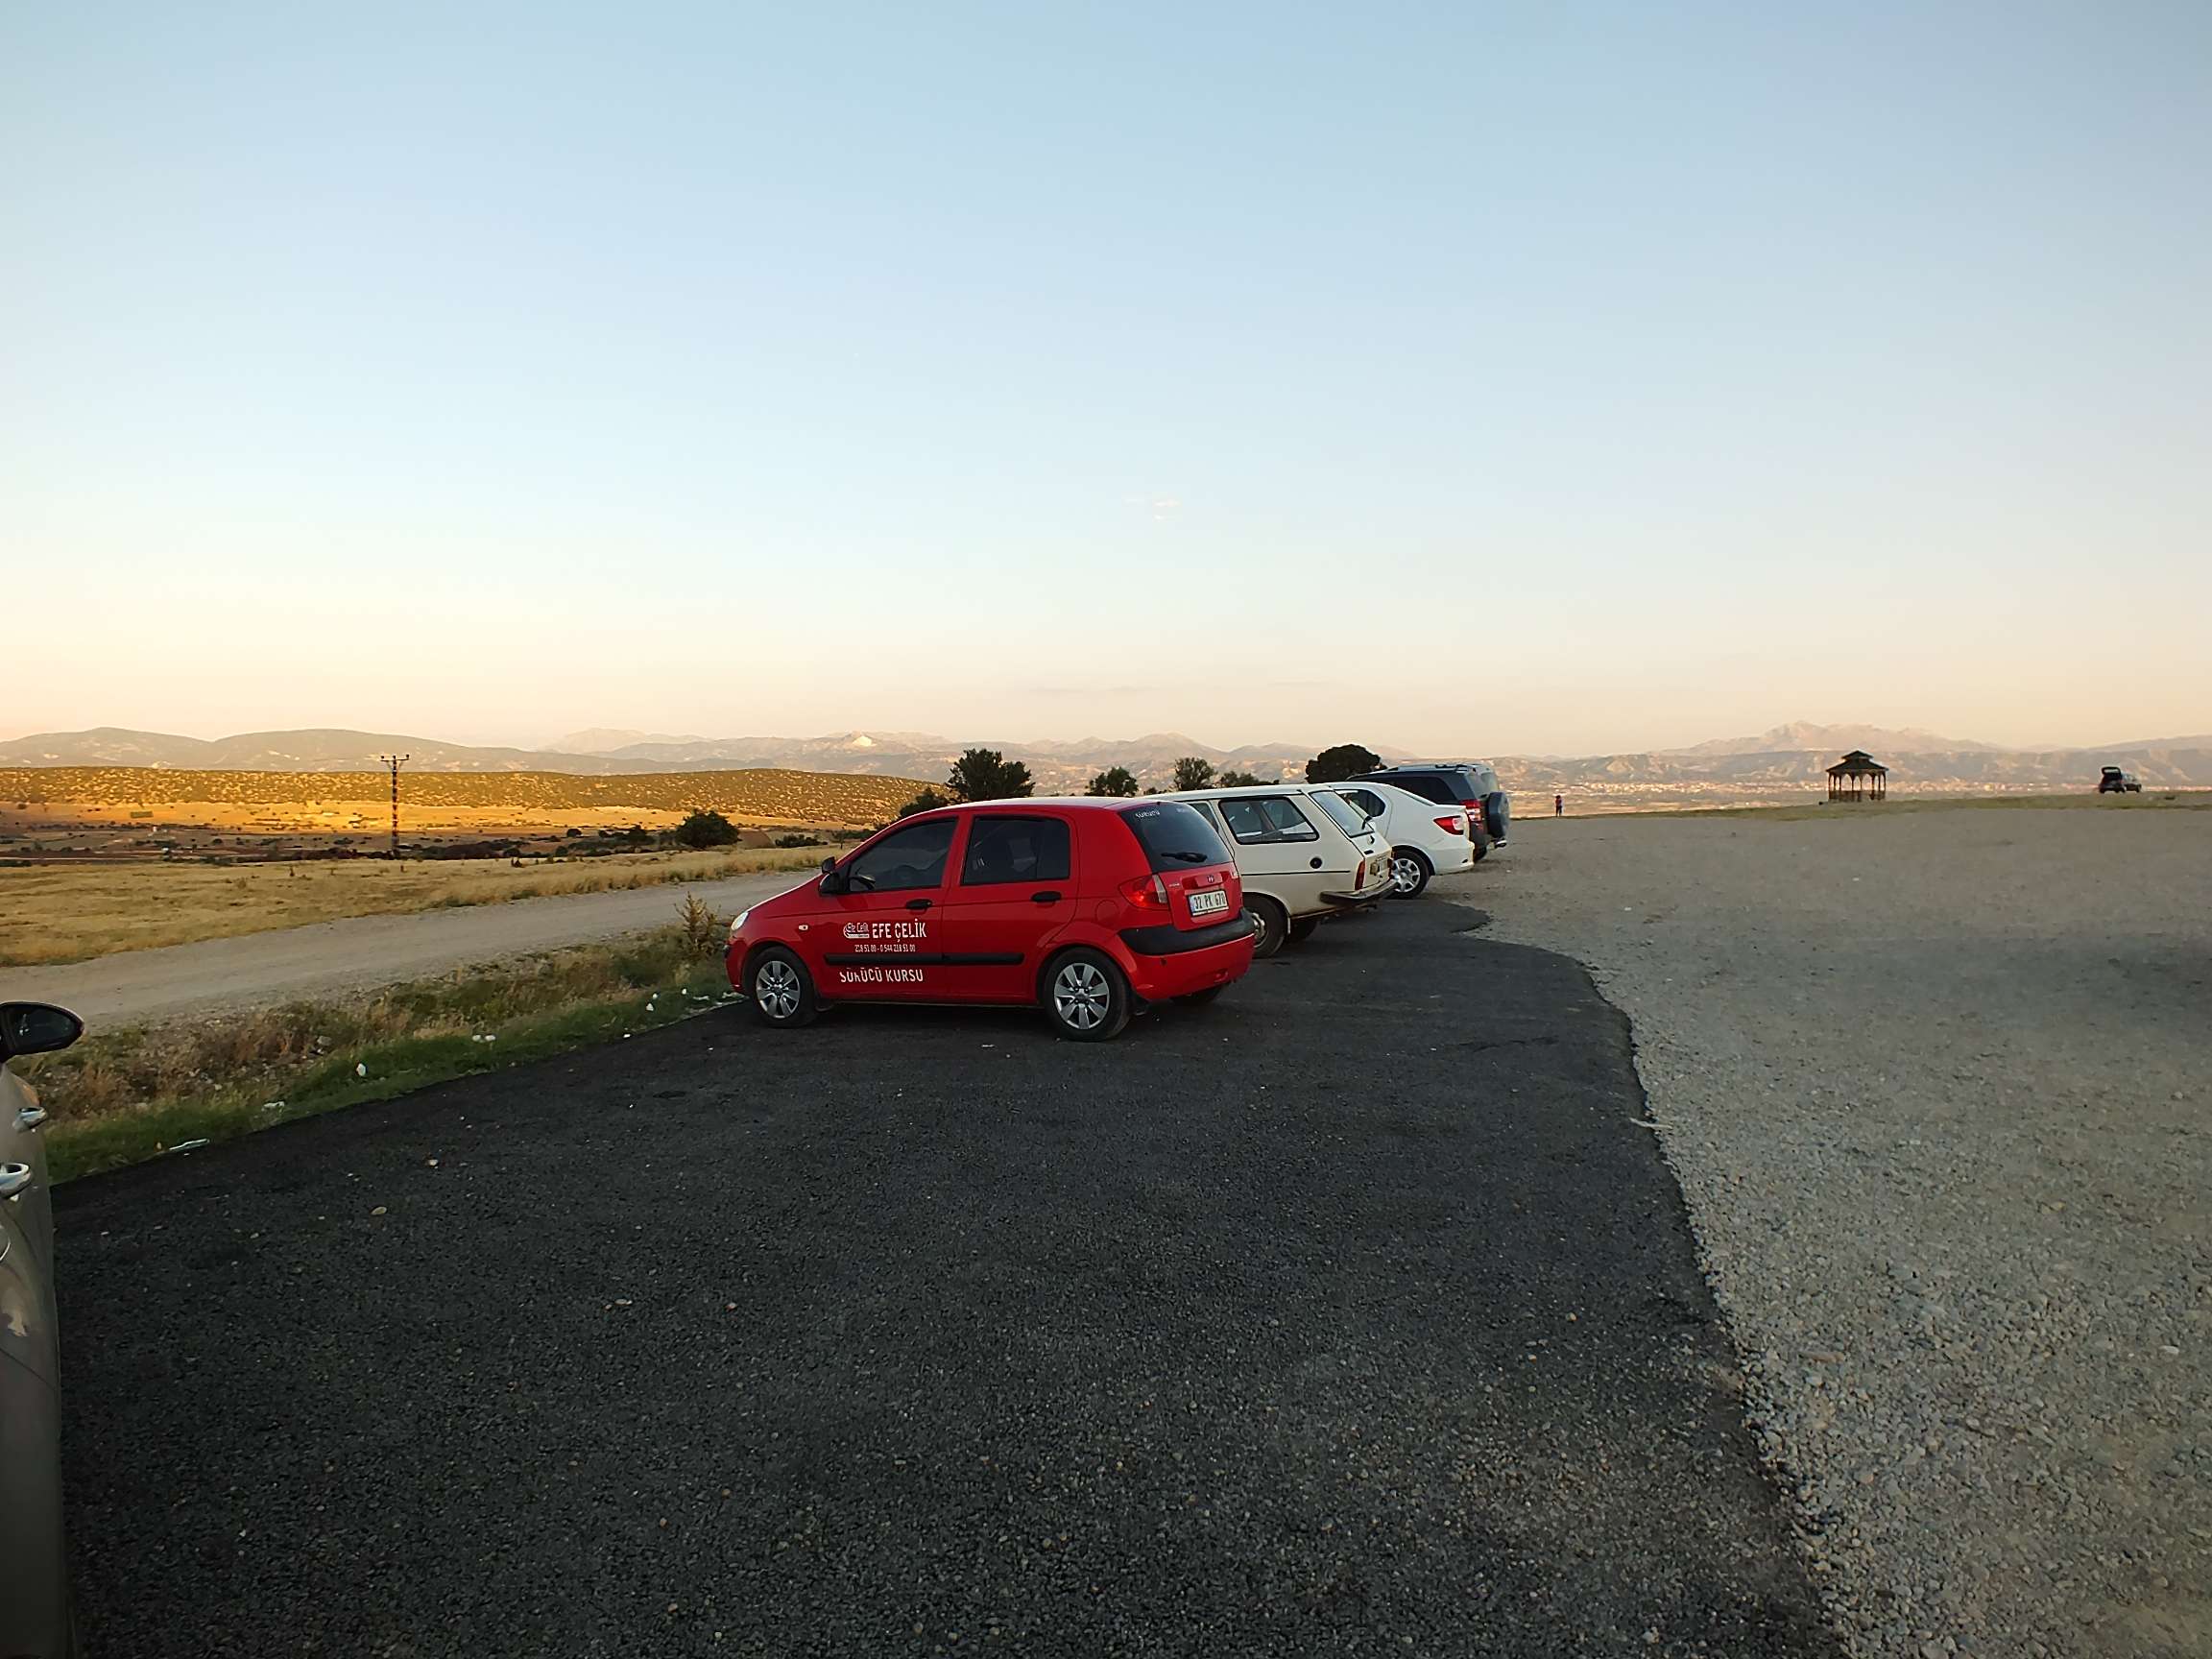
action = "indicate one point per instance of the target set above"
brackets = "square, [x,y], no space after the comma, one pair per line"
[1049,896]
[920,903]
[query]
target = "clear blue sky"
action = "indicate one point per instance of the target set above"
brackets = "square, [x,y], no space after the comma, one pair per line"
[1476,378]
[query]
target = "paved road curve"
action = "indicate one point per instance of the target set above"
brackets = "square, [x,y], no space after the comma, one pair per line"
[137,987]
[1353,1315]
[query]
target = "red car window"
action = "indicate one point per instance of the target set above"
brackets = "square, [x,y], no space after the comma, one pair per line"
[1015,849]
[905,859]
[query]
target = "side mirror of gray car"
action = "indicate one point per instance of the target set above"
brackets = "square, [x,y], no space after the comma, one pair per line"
[36,1028]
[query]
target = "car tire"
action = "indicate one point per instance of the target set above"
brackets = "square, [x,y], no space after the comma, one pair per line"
[1270,923]
[1481,851]
[1086,999]
[1410,872]
[1199,998]
[781,990]
[1302,929]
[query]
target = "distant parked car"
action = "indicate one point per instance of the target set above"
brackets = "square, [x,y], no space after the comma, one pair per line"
[1471,785]
[1304,853]
[34,1605]
[2115,781]
[1088,908]
[1426,839]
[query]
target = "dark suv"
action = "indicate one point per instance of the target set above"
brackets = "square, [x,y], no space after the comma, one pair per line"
[1468,785]
[2115,781]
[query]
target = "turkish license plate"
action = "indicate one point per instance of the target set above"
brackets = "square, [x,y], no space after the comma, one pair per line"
[1210,902]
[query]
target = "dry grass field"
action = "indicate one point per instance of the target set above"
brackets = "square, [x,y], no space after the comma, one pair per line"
[476,803]
[71,912]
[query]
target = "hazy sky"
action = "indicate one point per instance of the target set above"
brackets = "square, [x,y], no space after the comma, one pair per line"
[1476,378]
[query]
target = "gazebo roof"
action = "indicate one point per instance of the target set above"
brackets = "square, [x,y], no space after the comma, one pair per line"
[1857,760]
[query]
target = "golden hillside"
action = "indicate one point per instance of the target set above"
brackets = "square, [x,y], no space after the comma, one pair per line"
[759,793]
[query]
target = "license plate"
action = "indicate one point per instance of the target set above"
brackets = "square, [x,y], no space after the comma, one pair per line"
[1207,904]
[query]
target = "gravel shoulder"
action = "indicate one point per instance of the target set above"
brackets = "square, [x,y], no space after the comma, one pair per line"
[1935,1088]
[146,987]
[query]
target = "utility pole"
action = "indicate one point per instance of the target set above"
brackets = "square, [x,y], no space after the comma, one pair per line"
[395,762]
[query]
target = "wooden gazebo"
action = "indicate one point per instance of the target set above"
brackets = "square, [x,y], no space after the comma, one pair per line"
[1858,776]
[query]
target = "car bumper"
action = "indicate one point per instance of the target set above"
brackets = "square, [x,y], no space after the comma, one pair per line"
[1353,901]
[1162,963]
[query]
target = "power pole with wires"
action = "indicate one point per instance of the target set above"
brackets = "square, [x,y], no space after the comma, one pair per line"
[395,762]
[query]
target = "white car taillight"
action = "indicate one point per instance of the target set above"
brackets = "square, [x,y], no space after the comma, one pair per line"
[1453,826]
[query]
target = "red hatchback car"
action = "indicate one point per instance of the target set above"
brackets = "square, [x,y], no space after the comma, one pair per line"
[1087,908]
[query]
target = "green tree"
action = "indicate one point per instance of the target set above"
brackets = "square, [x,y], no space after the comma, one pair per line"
[1115,781]
[1193,772]
[1344,760]
[1236,780]
[986,775]
[705,829]
[928,801]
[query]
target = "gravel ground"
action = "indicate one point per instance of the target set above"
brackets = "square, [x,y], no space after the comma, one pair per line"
[1936,1089]
[1354,1314]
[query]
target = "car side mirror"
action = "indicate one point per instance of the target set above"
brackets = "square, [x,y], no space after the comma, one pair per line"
[36,1028]
[833,879]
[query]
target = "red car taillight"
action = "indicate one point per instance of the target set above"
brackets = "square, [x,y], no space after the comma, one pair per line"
[1453,826]
[1146,893]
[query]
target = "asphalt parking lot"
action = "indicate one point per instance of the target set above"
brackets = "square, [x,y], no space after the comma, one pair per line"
[1353,1315]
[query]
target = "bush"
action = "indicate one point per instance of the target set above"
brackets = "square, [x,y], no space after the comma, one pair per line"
[928,801]
[986,775]
[1344,760]
[1115,782]
[703,828]
[798,840]
[1193,772]
[699,929]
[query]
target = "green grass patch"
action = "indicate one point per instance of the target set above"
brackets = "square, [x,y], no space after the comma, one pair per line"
[122,1097]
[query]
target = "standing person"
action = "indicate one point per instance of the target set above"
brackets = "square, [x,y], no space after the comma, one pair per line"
[1558,806]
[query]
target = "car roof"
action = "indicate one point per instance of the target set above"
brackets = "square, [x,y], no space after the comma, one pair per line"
[1060,803]
[1238,789]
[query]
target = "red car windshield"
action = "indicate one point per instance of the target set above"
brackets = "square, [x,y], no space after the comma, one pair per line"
[1174,835]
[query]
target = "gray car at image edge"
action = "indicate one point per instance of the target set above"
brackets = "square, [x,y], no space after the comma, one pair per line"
[34,1621]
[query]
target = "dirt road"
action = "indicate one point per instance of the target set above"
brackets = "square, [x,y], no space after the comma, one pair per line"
[141,987]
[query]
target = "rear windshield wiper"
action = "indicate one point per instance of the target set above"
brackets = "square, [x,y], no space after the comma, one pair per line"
[1187,857]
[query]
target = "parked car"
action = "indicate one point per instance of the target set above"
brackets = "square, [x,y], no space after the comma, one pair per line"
[1087,908]
[2115,781]
[1424,839]
[1304,852]
[35,1608]
[1471,785]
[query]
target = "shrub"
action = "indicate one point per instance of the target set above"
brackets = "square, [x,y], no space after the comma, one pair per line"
[1114,781]
[705,829]
[986,775]
[928,801]
[1193,772]
[1344,760]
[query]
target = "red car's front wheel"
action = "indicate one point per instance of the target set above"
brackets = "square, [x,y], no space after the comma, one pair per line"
[781,990]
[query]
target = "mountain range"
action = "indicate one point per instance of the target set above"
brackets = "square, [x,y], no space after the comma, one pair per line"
[1785,760]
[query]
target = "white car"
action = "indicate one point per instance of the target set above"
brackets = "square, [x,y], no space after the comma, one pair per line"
[1301,851]
[1426,840]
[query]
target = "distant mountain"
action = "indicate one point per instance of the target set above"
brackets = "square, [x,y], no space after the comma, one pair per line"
[1836,741]
[1056,765]
[1784,763]
[606,739]
[312,751]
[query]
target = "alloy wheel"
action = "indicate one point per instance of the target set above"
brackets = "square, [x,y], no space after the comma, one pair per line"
[775,988]
[1081,996]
